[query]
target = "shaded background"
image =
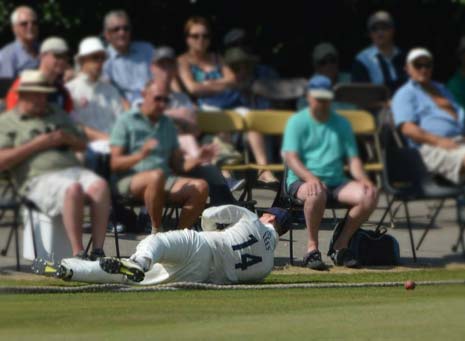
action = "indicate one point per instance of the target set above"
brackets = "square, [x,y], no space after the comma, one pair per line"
[283,32]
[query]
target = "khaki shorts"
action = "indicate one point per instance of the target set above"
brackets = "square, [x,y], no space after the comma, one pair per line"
[47,191]
[123,185]
[447,163]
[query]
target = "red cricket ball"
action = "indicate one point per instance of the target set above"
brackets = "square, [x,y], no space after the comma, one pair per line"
[409,285]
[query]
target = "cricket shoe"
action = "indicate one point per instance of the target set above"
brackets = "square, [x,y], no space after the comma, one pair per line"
[124,266]
[43,267]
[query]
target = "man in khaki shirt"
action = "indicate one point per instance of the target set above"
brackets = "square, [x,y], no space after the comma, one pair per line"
[37,146]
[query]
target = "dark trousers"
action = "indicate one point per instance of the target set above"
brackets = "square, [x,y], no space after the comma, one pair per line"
[219,190]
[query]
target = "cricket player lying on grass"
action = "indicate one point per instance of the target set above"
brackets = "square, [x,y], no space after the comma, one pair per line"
[242,252]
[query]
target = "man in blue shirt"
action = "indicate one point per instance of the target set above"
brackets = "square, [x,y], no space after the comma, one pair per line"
[317,142]
[128,63]
[383,62]
[430,118]
[23,53]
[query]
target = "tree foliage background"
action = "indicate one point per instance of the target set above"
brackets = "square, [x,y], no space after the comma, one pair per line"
[283,32]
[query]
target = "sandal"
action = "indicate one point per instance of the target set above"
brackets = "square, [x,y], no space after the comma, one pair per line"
[313,261]
[267,181]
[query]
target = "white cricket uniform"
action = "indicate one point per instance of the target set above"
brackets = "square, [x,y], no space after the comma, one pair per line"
[243,252]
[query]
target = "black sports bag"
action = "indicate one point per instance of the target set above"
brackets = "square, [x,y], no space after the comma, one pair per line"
[375,247]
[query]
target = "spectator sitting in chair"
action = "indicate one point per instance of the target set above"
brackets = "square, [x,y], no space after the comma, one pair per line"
[382,63]
[22,54]
[53,63]
[146,155]
[96,103]
[37,145]
[183,112]
[325,59]
[128,63]
[246,70]
[316,144]
[427,114]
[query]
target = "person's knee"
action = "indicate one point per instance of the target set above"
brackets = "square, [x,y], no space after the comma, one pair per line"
[157,178]
[314,199]
[201,187]
[369,199]
[75,192]
[99,186]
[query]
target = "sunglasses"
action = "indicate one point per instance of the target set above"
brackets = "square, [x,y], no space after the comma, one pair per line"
[28,23]
[162,99]
[419,66]
[383,27]
[328,60]
[125,28]
[197,36]
[63,56]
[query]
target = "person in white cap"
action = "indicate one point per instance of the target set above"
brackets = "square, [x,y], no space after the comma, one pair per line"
[53,63]
[317,143]
[38,145]
[382,62]
[23,53]
[96,103]
[427,114]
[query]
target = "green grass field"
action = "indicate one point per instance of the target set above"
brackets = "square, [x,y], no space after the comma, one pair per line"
[426,313]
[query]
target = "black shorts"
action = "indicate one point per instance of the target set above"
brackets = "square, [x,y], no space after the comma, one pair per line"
[331,193]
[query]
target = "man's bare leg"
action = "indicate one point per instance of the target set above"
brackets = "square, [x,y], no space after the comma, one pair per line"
[192,194]
[257,144]
[150,187]
[73,216]
[99,197]
[364,200]
[314,208]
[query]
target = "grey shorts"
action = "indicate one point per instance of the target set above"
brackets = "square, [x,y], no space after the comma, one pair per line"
[331,193]
[123,185]
[447,163]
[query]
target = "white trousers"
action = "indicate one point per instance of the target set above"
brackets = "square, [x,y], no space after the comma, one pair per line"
[176,256]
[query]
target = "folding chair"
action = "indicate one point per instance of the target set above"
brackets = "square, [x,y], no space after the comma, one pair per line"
[364,95]
[266,122]
[11,201]
[406,179]
[284,199]
[215,122]
[365,130]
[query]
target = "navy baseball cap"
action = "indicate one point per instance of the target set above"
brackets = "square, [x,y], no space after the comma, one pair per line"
[320,87]
[282,215]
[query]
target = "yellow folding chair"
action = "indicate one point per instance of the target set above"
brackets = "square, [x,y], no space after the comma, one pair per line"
[214,122]
[364,127]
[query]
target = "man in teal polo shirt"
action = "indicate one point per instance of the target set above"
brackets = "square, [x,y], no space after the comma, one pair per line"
[317,142]
[146,156]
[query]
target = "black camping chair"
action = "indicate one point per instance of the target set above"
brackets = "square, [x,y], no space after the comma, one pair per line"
[405,178]
[11,201]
